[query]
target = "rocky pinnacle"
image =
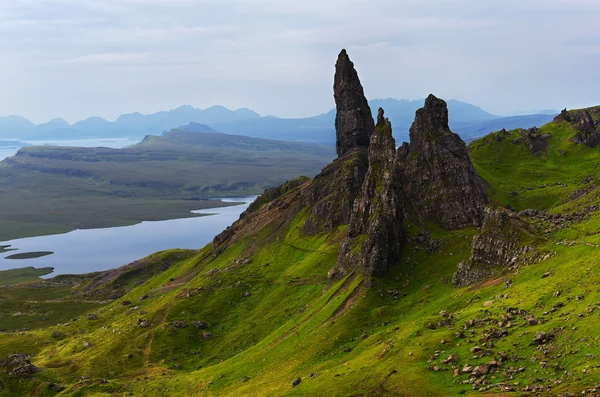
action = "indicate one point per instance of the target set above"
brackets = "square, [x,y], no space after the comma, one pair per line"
[353,121]
[376,224]
[439,181]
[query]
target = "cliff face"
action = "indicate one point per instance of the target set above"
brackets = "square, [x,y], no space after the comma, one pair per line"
[504,242]
[439,181]
[375,235]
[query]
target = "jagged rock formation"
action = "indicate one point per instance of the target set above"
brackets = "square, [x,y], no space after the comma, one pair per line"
[375,235]
[534,140]
[371,187]
[333,191]
[587,132]
[353,120]
[504,241]
[562,116]
[439,181]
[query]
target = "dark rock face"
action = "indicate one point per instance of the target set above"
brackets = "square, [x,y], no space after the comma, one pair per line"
[334,190]
[587,132]
[504,241]
[18,365]
[331,194]
[535,141]
[353,120]
[439,181]
[376,225]
[562,116]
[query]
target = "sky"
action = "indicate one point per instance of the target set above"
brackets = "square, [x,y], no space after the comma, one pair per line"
[80,58]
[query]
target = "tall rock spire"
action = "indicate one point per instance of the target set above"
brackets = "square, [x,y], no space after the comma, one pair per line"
[375,235]
[353,121]
[439,181]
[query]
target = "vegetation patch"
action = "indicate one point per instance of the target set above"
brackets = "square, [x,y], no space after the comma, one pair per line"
[22,275]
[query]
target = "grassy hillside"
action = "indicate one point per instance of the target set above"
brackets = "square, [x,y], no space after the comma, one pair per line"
[263,314]
[56,189]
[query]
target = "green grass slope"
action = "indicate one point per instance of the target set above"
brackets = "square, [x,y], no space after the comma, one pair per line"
[262,313]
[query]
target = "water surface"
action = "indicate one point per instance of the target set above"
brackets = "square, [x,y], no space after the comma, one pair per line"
[91,250]
[114,143]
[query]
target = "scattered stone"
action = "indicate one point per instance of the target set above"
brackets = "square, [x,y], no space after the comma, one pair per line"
[180,324]
[200,324]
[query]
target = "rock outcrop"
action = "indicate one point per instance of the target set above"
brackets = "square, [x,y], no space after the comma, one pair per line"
[439,181]
[534,140]
[587,132]
[18,365]
[375,235]
[372,187]
[333,191]
[562,116]
[353,120]
[504,242]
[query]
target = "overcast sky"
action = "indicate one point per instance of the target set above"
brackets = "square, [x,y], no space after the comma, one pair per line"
[81,58]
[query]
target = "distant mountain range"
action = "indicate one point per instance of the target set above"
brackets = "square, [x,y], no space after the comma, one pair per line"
[467,120]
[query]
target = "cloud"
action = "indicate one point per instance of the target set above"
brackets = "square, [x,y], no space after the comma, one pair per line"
[276,56]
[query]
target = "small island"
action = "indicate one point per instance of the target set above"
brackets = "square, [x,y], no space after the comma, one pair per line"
[6,248]
[30,255]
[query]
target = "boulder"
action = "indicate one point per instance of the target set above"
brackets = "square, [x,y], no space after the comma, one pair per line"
[200,324]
